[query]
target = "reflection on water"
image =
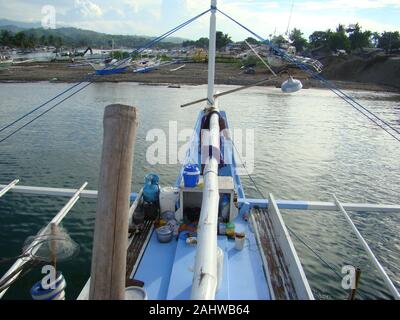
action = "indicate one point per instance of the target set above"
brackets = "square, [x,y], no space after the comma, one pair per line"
[308,146]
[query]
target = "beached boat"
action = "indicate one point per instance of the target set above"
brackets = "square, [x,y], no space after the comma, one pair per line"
[145,65]
[5,62]
[203,238]
[110,66]
[277,60]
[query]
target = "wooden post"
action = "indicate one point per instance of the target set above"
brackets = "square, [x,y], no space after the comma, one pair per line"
[353,292]
[111,228]
[53,244]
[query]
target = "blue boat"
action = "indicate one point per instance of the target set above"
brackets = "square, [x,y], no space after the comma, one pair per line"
[110,66]
[202,238]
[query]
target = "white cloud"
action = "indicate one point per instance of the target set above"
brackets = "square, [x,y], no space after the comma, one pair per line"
[88,8]
[347,4]
[140,5]
[153,17]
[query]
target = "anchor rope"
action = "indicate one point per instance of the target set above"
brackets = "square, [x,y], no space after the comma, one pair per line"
[90,77]
[344,96]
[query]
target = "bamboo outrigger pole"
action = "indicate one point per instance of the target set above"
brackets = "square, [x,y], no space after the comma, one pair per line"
[111,228]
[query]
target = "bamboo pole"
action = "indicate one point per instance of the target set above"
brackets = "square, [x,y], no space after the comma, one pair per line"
[371,255]
[228,92]
[15,270]
[111,227]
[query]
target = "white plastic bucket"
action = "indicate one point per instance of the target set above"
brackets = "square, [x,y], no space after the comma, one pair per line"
[239,242]
[135,293]
[168,198]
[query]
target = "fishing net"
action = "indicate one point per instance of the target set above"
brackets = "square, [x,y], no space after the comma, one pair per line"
[49,244]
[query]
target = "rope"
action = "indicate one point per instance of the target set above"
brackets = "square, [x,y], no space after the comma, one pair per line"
[43,113]
[89,78]
[327,83]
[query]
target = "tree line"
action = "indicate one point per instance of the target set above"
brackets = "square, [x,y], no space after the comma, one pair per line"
[27,41]
[342,38]
[72,37]
[347,39]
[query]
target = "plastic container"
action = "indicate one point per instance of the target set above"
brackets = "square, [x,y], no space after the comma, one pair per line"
[55,291]
[135,293]
[168,198]
[191,175]
[168,215]
[138,217]
[230,230]
[151,188]
[224,207]
[173,226]
[164,234]
[239,241]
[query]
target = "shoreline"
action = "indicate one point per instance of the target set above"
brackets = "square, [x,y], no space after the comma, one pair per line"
[191,74]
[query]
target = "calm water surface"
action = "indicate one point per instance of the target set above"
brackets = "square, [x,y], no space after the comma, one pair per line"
[308,146]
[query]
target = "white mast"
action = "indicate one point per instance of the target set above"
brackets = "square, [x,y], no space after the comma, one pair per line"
[205,278]
[211,55]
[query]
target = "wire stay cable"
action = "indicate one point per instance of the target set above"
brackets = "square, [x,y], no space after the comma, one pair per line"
[391,130]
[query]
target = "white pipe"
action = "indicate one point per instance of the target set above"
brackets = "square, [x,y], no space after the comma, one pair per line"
[262,203]
[371,255]
[35,245]
[211,55]
[322,205]
[205,279]
[46,191]
[8,187]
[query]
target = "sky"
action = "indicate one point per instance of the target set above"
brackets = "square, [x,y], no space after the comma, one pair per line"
[154,17]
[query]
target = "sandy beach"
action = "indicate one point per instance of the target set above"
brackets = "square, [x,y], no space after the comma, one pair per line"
[191,74]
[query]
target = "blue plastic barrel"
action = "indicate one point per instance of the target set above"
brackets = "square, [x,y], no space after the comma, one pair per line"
[151,188]
[191,175]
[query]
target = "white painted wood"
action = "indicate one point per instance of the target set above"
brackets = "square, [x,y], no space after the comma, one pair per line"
[263,257]
[35,245]
[46,191]
[211,55]
[322,205]
[5,189]
[205,276]
[292,260]
[225,185]
[136,265]
[371,255]
[112,214]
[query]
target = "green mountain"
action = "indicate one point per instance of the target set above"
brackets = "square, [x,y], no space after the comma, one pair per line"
[74,37]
